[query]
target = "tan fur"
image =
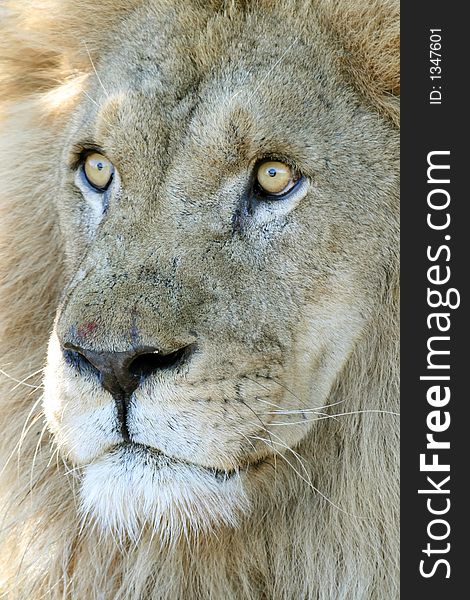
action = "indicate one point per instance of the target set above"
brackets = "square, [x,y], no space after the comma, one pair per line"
[294,309]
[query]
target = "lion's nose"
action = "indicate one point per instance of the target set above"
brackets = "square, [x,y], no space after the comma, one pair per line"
[121,373]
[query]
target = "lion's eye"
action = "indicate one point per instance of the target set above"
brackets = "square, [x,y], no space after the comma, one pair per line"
[275,178]
[98,171]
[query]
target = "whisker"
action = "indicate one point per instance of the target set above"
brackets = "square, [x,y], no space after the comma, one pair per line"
[246,437]
[22,381]
[256,415]
[24,432]
[286,411]
[282,443]
[269,404]
[92,99]
[17,448]
[263,425]
[354,412]
[307,481]
[94,69]
[277,383]
[317,412]
[33,464]
[282,57]
[314,409]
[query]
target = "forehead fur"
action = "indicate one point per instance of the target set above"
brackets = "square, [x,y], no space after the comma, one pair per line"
[49,42]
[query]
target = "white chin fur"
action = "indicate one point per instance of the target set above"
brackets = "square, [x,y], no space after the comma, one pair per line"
[130,489]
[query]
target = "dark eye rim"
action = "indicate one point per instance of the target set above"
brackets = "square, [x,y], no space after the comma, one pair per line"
[83,158]
[260,193]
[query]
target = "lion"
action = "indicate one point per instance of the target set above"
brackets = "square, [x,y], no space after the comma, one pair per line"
[199,299]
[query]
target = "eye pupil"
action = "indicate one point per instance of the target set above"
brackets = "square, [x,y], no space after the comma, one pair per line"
[99,166]
[272,172]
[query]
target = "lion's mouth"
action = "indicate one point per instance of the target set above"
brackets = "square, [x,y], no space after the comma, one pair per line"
[157,460]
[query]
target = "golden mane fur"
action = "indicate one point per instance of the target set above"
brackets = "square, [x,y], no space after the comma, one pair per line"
[340,544]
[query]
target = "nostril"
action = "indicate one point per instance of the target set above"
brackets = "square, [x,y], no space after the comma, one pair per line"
[79,362]
[149,362]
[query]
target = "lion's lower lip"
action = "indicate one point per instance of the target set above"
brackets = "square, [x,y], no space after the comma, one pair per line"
[160,459]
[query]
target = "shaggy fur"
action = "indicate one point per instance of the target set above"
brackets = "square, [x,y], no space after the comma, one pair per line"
[293,305]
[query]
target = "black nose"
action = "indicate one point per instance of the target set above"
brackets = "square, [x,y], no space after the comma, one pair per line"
[121,373]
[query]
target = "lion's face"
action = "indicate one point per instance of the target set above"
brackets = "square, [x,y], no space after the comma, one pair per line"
[204,318]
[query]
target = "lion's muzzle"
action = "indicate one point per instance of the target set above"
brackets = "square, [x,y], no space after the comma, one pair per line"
[121,373]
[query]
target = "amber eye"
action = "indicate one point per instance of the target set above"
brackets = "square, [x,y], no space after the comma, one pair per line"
[275,178]
[98,171]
